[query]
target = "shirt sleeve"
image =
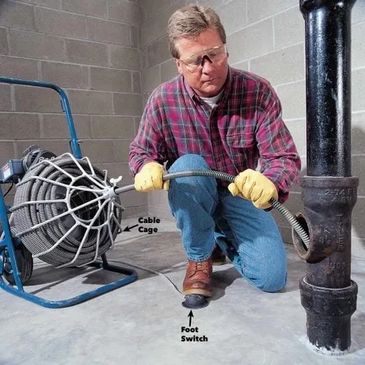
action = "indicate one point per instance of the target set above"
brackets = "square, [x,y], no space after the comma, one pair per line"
[279,159]
[148,145]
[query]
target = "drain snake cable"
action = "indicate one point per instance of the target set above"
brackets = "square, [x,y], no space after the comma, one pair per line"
[230,178]
[225,177]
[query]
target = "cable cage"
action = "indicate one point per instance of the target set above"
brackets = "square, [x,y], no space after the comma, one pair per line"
[94,218]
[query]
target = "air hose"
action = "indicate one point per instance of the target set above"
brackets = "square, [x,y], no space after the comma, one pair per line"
[292,220]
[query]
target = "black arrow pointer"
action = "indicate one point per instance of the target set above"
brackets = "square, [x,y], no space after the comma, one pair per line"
[190,315]
[127,229]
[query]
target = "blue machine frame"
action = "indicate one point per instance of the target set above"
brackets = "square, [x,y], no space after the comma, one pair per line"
[8,244]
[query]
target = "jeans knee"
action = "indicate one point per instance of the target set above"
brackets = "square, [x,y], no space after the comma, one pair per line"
[189,162]
[272,282]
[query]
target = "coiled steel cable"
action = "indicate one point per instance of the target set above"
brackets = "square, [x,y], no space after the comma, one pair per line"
[230,178]
[64,212]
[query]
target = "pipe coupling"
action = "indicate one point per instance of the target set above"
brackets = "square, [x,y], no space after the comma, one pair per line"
[328,203]
[328,315]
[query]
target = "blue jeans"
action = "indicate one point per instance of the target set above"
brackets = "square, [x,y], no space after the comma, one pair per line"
[209,215]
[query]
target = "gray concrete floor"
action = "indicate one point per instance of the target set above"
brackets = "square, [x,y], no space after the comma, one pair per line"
[140,324]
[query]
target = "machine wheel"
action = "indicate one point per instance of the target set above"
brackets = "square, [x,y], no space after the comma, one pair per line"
[24,261]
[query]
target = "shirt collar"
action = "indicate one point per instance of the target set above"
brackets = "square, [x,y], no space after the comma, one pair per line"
[196,97]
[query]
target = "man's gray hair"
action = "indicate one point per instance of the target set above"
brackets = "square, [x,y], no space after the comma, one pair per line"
[189,22]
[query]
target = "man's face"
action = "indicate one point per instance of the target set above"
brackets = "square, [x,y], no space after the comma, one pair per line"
[203,62]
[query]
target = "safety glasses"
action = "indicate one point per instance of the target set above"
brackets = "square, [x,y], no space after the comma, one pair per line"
[214,55]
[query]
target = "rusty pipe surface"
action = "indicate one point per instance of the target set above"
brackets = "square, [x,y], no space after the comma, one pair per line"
[329,192]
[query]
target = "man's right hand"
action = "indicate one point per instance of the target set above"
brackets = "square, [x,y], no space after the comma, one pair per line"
[150,178]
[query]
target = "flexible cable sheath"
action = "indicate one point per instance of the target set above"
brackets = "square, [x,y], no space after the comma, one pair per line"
[230,178]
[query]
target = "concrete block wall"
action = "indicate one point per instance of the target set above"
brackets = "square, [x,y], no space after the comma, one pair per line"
[267,38]
[110,54]
[91,48]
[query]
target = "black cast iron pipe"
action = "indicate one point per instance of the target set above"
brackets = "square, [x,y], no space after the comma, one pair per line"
[329,192]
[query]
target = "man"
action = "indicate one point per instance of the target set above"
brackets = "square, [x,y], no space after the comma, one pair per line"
[213,116]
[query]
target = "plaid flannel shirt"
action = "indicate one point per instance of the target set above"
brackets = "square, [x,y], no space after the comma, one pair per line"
[244,129]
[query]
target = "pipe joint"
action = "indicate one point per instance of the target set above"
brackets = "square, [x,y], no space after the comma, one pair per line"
[328,203]
[328,315]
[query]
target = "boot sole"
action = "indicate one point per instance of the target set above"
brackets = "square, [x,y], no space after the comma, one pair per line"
[206,293]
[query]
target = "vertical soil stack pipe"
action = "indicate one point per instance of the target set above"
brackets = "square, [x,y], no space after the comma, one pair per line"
[329,192]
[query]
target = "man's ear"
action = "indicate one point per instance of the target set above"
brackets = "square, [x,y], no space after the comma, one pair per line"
[179,66]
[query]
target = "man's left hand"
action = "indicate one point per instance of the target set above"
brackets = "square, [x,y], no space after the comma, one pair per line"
[254,186]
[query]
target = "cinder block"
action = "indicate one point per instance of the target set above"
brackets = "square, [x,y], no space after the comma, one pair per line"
[293,100]
[358,133]
[5,98]
[110,80]
[271,66]
[88,53]
[152,29]
[124,57]
[253,41]
[96,8]
[134,211]
[259,9]
[127,104]
[288,28]
[135,36]
[157,198]
[36,45]
[108,31]
[233,15]
[150,10]
[4,48]
[136,82]
[18,67]
[7,151]
[358,169]
[168,70]
[19,126]
[54,4]
[91,102]
[16,15]
[297,129]
[123,11]
[99,151]
[55,22]
[135,202]
[157,52]
[357,44]
[54,126]
[358,214]
[116,169]
[357,246]
[121,150]
[112,127]
[358,82]
[151,78]
[294,204]
[358,12]
[65,75]
[29,99]
[245,65]
[160,210]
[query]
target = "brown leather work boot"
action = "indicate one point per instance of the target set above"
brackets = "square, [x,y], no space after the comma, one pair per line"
[198,278]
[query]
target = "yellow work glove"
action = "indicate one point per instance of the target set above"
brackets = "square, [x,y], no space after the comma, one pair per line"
[254,186]
[150,178]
